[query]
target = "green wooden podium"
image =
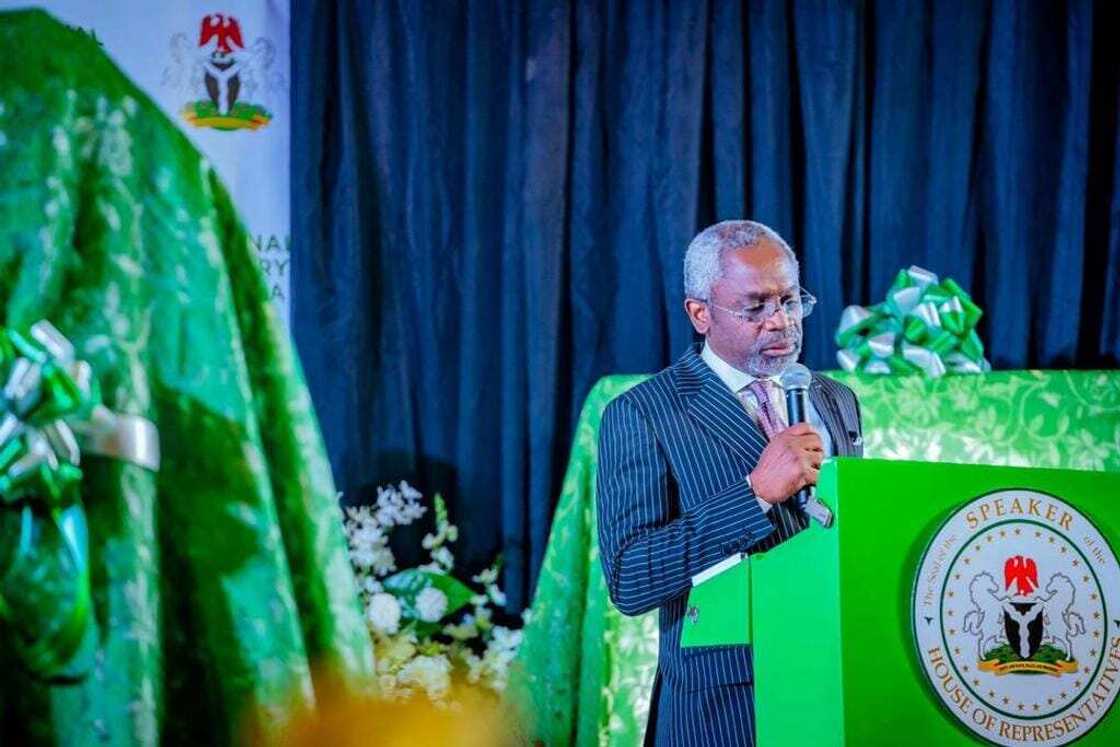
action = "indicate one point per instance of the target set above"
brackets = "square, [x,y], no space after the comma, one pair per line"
[839,652]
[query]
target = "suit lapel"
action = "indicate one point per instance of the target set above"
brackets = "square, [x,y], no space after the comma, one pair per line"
[719,412]
[715,409]
[826,408]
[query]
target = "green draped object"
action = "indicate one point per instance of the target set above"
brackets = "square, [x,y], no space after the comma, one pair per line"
[221,589]
[584,671]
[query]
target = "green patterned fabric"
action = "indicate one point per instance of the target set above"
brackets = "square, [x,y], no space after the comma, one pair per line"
[221,581]
[585,671]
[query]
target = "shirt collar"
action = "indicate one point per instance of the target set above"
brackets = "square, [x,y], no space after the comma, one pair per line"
[735,379]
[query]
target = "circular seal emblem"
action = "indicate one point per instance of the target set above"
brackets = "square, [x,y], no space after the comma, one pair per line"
[1016,615]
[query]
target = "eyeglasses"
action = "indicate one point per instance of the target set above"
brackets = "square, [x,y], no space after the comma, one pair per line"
[795,307]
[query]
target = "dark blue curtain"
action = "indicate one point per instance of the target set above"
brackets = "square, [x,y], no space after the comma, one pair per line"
[491,201]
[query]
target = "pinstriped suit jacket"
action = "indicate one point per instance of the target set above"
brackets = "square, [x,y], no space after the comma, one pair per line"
[673,500]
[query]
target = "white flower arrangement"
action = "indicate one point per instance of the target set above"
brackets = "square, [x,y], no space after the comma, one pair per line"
[427,626]
[383,613]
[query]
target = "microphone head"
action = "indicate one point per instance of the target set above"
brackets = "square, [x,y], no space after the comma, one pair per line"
[796,376]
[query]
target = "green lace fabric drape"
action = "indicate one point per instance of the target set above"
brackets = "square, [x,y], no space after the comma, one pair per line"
[585,671]
[221,586]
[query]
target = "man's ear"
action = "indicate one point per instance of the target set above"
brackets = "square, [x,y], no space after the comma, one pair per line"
[698,314]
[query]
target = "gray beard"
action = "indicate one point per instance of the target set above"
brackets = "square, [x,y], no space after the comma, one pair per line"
[763,365]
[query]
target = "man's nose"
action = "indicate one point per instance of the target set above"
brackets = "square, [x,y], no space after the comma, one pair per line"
[779,319]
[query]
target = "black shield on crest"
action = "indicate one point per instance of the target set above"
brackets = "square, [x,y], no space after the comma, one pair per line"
[1031,613]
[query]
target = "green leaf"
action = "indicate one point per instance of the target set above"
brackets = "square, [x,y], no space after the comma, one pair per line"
[423,629]
[407,585]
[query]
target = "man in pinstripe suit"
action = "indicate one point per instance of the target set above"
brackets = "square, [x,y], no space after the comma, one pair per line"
[697,464]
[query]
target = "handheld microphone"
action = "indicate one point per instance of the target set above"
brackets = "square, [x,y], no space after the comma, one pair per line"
[795,381]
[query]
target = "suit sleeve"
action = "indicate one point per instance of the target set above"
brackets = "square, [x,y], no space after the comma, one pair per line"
[857,417]
[648,549]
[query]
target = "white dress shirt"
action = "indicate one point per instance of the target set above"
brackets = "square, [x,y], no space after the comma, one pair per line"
[737,380]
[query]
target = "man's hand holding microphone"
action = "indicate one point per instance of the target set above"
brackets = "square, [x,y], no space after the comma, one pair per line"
[791,462]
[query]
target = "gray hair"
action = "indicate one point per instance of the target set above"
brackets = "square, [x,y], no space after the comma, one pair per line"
[703,262]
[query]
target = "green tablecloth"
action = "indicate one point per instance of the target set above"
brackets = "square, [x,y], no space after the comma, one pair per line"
[586,671]
[222,580]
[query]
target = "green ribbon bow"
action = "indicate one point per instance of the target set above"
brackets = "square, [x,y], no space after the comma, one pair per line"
[923,325]
[50,413]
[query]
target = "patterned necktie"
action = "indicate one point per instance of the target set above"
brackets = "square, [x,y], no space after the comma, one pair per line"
[787,521]
[768,419]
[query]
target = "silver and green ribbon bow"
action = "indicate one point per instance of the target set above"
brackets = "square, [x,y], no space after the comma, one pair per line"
[925,324]
[50,416]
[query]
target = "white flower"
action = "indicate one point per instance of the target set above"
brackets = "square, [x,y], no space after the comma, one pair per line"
[391,652]
[369,544]
[386,685]
[463,631]
[409,493]
[474,668]
[443,557]
[367,534]
[432,673]
[375,559]
[431,604]
[398,506]
[384,613]
[362,557]
[357,514]
[406,663]
[497,596]
[499,655]
[383,562]
[487,576]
